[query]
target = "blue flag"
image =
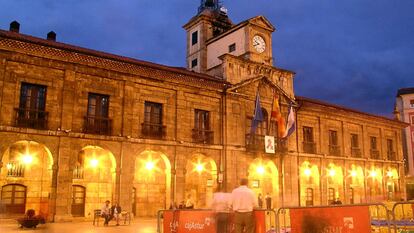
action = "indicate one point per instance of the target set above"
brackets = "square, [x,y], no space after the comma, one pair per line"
[258,115]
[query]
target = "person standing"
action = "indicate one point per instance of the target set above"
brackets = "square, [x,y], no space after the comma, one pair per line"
[106,212]
[221,205]
[268,201]
[243,201]
[260,201]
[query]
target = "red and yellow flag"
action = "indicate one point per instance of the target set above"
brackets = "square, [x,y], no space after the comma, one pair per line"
[276,116]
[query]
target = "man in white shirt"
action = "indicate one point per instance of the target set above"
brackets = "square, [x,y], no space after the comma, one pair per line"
[221,205]
[243,200]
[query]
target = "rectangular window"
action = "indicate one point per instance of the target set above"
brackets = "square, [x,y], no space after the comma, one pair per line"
[309,197]
[412,120]
[31,112]
[354,141]
[307,134]
[333,143]
[308,142]
[98,105]
[232,47]
[194,63]
[202,120]
[355,150]
[373,141]
[96,120]
[201,131]
[390,150]
[152,126]
[374,148]
[331,195]
[412,103]
[333,138]
[194,38]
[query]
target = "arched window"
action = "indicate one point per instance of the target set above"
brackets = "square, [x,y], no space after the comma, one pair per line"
[13,196]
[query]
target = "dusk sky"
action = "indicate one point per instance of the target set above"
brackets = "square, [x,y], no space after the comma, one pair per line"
[355,53]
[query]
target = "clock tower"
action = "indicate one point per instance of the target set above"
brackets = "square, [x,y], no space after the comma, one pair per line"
[211,20]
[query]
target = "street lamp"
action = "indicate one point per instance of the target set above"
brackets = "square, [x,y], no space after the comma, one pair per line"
[260,170]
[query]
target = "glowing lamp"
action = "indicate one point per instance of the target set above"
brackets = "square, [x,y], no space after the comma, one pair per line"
[27,159]
[332,172]
[199,167]
[389,174]
[373,173]
[149,165]
[94,162]
[9,166]
[307,172]
[353,173]
[260,170]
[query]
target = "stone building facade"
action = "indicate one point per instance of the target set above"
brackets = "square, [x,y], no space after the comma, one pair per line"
[404,106]
[78,127]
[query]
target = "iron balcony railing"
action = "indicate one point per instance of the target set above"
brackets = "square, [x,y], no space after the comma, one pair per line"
[391,155]
[98,125]
[334,150]
[203,136]
[78,172]
[156,131]
[257,143]
[374,154]
[356,152]
[309,147]
[15,169]
[31,118]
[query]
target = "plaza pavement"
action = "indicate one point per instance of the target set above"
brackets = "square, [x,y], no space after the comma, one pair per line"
[137,226]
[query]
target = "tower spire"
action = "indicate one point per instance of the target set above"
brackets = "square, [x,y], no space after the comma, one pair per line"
[209,4]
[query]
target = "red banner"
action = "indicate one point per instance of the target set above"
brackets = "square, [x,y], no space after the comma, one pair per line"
[341,219]
[202,221]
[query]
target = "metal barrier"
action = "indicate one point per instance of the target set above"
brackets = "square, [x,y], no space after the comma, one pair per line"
[334,218]
[403,217]
[203,221]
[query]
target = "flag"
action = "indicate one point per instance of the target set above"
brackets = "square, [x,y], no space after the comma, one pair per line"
[290,126]
[277,117]
[257,116]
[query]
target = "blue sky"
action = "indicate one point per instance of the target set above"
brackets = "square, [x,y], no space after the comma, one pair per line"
[355,53]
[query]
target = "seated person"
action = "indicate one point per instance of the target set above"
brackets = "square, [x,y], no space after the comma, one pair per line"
[106,212]
[30,220]
[116,212]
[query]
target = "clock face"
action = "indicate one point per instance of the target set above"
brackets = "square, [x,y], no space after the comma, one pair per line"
[259,44]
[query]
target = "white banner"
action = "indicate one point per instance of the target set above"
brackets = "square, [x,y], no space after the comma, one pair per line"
[270,144]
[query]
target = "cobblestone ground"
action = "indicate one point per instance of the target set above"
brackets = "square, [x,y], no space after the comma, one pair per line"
[137,226]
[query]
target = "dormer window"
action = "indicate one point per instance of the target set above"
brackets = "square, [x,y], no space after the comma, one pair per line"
[194,38]
[232,47]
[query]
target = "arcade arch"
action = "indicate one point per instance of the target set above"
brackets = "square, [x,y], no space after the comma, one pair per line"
[26,177]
